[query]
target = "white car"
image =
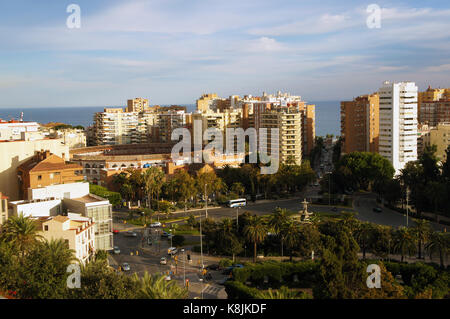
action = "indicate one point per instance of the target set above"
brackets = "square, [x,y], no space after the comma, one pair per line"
[116,250]
[163,261]
[154,225]
[172,251]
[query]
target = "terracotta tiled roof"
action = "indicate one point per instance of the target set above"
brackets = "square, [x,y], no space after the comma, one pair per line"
[60,218]
[33,165]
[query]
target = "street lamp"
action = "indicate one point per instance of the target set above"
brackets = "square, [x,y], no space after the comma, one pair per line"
[184,266]
[407,208]
[237,216]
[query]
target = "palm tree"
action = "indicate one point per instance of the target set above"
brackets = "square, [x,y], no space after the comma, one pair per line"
[277,221]
[59,250]
[22,232]
[292,235]
[404,242]
[282,293]
[157,287]
[422,232]
[256,232]
[364,236]
[438,242]
[238,188]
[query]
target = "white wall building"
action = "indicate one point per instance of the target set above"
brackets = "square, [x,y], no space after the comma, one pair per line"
[398,123]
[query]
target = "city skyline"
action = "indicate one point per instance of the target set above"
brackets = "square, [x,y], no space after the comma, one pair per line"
[172,53]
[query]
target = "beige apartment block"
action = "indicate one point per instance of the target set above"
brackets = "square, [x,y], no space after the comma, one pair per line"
[16,152]
[114,126]
[360,124]
[289,124]
[75,230]
[434,106]
[439,136]
[137,105]
[12,130]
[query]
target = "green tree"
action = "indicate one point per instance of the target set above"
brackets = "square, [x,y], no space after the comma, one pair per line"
[255,232]
[277,221]
[438,243]
[422,231]
[22,232]
[157,287]
[404,242]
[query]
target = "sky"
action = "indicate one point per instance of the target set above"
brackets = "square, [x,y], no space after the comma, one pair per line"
[173,51]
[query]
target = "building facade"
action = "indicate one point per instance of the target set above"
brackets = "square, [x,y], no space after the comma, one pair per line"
[360,124]
[76,231]
[398,123]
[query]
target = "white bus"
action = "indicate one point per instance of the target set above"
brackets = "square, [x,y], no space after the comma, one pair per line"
[237,202]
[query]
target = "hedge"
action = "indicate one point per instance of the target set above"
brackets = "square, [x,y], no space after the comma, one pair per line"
[114,198]
[237,290]
[278,274]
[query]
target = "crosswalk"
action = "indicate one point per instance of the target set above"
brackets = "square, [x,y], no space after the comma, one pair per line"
[212,290]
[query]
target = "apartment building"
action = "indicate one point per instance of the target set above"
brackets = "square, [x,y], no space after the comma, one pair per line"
[289,124]
[398,123]
[76,231]
[3,209]
[137,105]
[12,129]
[65,199]
[360,124]
[423,135]
[114,126]
[13,153]
[439,136]
[45,169]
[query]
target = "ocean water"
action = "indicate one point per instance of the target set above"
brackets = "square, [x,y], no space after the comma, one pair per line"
[327,115]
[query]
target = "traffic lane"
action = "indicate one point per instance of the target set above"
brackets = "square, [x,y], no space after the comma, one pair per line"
[365,204]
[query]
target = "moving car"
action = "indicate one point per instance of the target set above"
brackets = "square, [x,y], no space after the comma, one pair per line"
[377,210]
[126,267]
[172,251]
[154,225]
[131,234]
[213,267]
[116,250]
[228,270]
[163,261]
[115,231]
[334,209]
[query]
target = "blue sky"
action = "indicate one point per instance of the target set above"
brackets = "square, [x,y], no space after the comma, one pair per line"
[172,51]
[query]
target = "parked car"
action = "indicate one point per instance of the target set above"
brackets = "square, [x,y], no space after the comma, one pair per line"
[154,225]
[377,210]
[164,234]
[116,250]
[126,267]
[228,270]
[163,261]
[131,234]
[334,209]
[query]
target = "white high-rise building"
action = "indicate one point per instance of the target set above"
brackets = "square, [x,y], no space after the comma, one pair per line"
[398,123]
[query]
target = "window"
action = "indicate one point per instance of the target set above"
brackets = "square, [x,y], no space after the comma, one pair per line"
[39,177]
[46,227]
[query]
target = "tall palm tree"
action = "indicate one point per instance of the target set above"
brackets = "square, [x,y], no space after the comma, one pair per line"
[157,287]
[439,242]
[277,221]
[404,242]
[422,231]
[22,232]
[292,235]
[364,235]
[256,232]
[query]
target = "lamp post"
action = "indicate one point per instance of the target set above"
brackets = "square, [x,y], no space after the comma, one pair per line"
[184,266]
[237,217]
[206,203]
[407,208]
